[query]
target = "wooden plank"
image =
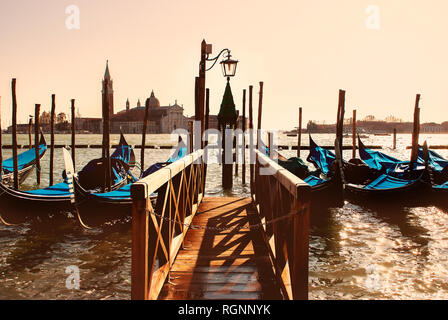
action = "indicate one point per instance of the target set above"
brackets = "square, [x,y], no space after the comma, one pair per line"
[222,264]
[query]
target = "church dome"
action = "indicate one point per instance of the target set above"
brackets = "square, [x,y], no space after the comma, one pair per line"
[153,101]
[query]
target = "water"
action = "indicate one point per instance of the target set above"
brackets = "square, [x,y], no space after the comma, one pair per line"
[355,252]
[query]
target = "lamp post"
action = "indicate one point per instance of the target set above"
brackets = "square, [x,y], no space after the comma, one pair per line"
[228,66]
[227,114]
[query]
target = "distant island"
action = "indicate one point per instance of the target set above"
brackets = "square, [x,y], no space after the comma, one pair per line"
[374,126]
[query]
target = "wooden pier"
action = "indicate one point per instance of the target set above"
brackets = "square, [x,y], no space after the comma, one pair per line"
[187,246]
[220,260]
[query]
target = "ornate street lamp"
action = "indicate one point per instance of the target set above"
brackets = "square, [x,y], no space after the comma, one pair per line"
[227,116]
[228,65]
[228,68]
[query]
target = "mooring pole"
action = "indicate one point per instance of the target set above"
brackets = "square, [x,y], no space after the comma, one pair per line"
[207,113]
[14,135]
[260,110]
[299,133]
[190,136]
[415,131]
[36,141]
[354,134]
[145,125]
[197,106]
[235,143]
[243,166]
[395,139]
[270,153]
[340,122]
[201,93]
[106,137]
[251,142]
[53,107]
[1,142]
[30,127]
[207,125]
[73,133]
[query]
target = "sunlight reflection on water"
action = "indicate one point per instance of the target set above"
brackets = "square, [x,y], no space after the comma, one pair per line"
[355,252]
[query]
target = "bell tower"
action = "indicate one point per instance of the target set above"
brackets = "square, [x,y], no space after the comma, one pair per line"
[110,89]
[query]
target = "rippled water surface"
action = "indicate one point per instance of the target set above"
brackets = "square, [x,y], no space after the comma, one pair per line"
[355,252]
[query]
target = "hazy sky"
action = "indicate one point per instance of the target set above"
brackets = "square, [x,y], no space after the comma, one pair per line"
[304,51]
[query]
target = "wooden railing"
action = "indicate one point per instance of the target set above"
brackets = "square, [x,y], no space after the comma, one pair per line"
[160,221]
[283,204]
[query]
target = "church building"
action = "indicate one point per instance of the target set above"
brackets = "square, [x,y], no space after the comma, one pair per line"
[161,119]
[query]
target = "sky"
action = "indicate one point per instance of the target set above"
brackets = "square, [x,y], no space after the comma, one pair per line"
[382,52]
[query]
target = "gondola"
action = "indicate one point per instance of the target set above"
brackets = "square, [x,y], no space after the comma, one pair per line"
[395,181]
[17,204]
[116,203]
[439,177]
[385,164]
[326,183]
[25,163]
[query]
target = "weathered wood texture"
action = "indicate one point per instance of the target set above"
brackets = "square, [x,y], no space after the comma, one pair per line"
[1,143]
[73,145]
[14,135]
[282,197]
[36,140]
[158,232]
[354,134]
[299,133]
[52,116]
[227,260]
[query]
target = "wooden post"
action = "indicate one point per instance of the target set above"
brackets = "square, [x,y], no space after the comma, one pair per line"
[139,263]
[207,111]
[236,144]
[53,107]
[340,118]
[270,154]
[301,236]
[260,110]
[354,134]
[73,133]
[36,140]
[190,137]
[207,125]
[145,124]
[14,135]
[243,167]
[415,132]
[1,142]
[106,136]
[197,115]
[201,93]
[30,128]
[299,133]
[395,139]
[251,140]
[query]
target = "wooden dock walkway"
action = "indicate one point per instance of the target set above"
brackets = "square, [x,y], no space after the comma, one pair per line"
[226,260]
[188,246]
